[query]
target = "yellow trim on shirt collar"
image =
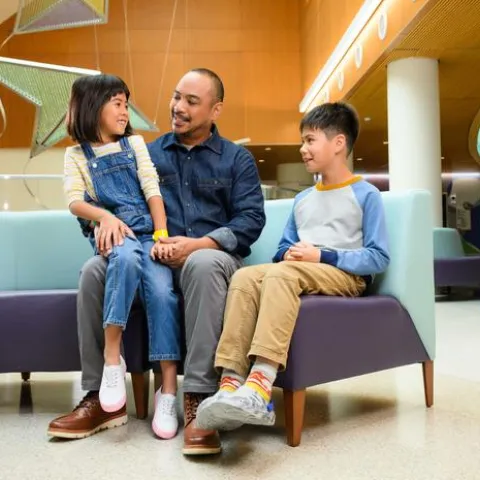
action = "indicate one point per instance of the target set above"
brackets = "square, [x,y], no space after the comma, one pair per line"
[320,187]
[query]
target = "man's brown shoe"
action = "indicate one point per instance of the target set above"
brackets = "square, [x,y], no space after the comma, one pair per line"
[196,441]
[86,419]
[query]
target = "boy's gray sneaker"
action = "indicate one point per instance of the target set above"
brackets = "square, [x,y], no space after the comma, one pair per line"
[227,410]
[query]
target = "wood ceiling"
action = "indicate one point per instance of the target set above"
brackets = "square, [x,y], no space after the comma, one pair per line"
[449,31]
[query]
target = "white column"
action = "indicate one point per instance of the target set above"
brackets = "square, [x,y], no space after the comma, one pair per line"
[414,145]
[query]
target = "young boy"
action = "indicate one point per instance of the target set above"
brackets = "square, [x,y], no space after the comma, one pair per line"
[333,244]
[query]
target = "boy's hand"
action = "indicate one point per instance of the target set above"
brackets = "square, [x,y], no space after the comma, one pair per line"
[303,252]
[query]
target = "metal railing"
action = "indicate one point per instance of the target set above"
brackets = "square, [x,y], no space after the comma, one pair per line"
[21,192]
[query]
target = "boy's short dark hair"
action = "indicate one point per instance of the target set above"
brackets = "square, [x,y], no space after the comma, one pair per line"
[219,90]
[333,118]
[89,94]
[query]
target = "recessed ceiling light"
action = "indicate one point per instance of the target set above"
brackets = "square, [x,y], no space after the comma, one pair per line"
[359,159]
[385,142]
[6,206]
[261,160]
[267,149]
[442,158]
[367,119]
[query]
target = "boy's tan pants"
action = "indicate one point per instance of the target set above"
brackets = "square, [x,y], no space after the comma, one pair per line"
[262,307]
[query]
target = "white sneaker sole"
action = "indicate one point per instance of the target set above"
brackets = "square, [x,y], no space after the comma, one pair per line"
[163,434]
[114,422]
[113,407]
[223,413]
[211,416]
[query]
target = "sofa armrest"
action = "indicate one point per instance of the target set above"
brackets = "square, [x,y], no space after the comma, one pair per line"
[409,277]
[447,243]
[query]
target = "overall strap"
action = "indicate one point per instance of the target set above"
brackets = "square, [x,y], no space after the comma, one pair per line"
[127,148]
[88,150]
[125,144]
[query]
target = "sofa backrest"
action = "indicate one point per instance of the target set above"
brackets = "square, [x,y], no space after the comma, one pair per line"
[46,250]
[41,250]
[447,243]
[277,212]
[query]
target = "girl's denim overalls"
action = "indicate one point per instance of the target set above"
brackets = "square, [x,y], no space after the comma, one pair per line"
[130,267]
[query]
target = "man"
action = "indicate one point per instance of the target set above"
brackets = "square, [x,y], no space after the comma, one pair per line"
[214,205]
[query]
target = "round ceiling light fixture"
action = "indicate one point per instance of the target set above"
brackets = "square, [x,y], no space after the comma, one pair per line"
[382,25]
[340,80]
[358,56]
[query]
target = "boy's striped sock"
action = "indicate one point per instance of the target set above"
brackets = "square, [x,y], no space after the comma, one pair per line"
[231,381]
[261,379]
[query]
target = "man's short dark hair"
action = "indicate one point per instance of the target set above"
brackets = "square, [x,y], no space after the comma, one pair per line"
[219,91]
[333,119]
[89,94]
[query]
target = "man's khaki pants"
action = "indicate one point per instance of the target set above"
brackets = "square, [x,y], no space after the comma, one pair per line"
[262,307]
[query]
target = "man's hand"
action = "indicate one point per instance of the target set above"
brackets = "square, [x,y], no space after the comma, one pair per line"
[181,248]
[110,232]
[303,252]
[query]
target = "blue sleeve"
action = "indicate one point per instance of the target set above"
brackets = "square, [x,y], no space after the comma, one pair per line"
[85,225]
[373,257]
[247,208]
[289,238]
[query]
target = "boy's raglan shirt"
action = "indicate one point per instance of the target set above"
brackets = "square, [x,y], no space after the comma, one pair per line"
[346,222]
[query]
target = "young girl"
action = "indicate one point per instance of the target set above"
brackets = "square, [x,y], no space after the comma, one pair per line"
[111,181]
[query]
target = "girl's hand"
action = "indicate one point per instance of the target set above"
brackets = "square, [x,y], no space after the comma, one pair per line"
[110,232]
[162,251]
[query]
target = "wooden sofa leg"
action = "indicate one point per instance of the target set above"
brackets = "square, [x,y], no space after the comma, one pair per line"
[427,368]
[157,381]
[26,376]
[294,401]
[141,384]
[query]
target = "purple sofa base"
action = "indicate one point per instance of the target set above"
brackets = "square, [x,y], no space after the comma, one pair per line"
[38,333]
[337,338]
[457,272]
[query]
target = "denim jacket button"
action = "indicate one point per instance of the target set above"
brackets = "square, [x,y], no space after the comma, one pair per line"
[129,155]
[94,165]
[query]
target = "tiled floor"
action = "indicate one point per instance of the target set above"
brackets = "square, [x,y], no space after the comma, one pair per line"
[373,427]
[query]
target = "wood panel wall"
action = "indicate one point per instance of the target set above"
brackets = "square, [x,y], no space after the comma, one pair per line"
[254,45]
[323,23]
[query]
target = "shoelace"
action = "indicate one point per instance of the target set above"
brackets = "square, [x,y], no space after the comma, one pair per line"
[112,376]
[87,402]
[191,407]
[167,406]
[257,402]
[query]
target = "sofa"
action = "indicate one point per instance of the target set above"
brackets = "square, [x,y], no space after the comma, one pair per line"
[391,326]
[41,254]
[453,268]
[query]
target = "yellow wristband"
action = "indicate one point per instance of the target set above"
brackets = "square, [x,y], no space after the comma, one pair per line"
[159,234]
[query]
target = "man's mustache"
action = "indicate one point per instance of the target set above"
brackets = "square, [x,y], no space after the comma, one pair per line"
[181,117]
